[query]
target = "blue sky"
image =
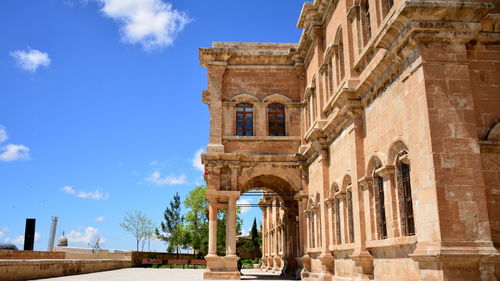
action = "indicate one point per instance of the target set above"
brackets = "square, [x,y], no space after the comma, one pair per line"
[101,107]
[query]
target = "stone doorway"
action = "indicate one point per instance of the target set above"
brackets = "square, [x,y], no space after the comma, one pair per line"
[280,228]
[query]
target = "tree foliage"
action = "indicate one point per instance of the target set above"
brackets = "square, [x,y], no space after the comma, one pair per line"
[173,230]
[139,225]
[197,219]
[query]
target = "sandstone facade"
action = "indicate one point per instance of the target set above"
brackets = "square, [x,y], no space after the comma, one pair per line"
[376,140]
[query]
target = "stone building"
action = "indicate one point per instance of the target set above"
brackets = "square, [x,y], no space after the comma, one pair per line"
[376,139]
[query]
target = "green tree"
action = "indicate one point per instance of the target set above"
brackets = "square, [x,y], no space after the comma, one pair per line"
[221,229]
[139,225]
[254,233]
[197,219]
[174,231]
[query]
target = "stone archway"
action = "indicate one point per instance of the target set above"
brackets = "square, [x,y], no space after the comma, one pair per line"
[280,227]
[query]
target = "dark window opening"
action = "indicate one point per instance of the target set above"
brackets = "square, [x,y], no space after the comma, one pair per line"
[337,221]
[380,206]
[350,214]
[244,119]
[407,218]
[365,22]
[276,119]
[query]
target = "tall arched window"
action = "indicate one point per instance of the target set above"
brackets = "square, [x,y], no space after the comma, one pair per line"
[365,22]
[405,198]
[244,119]
[337,221]
[276,119]
[380,206]
[350,214]
[339,57]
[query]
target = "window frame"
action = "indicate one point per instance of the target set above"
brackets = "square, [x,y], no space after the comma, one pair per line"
[277,129]
[248,109]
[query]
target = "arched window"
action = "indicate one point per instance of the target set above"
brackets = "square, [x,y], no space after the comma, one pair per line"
[276,119]
[337,221]
[244,119]
[380,206]
[405,198]
[365,22]
[350,214]
[339,57]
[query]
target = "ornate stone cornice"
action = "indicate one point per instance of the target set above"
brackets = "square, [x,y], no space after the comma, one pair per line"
[226,53]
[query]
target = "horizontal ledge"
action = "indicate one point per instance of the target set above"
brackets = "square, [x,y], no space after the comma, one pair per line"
[390,242]
[261,138]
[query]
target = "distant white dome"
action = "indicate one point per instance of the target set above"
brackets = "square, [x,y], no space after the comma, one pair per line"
[62,241]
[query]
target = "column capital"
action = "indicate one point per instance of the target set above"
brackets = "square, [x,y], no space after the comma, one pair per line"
[385,170]
[365,182]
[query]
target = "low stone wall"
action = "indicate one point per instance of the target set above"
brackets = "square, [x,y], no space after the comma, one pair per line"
[83,253]
[29,255]
[17,270]
[138,256]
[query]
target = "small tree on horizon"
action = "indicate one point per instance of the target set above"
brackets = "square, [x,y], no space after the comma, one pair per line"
[139,225]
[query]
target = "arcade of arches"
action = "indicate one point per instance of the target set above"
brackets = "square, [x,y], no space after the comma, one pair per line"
[378,136]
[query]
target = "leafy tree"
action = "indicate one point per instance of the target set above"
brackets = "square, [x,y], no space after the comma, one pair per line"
[139,225]
[174,231]
[197,219]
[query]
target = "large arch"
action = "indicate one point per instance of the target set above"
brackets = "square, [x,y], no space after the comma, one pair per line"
[280,235]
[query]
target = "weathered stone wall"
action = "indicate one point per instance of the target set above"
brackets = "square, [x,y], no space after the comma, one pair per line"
[399,111]
[30,255]
[18,270]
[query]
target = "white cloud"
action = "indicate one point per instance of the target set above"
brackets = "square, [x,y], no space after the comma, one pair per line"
[156,163]
[68,189]
[30,60]
[197,160]
[156,179]
[3,231]
[150,23]
[97,195]
[244,201]
[100,219]
[12,152]
[20,239]
[3,134]
[89,235]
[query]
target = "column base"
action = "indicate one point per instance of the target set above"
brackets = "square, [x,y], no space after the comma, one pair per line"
[222,268]
[442,263]
[221,275]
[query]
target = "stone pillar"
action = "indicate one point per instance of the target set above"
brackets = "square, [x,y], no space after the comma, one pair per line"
[362,258]
[231,227]
[260,118]
[215,78]
[212,227]
[390,201]
[222,267]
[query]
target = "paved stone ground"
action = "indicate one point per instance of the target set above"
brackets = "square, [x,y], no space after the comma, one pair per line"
[159,274]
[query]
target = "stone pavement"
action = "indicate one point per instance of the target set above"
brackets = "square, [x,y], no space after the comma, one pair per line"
[155,274]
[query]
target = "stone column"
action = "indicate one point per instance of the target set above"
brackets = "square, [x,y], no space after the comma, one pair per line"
[212,227]
[331,226]
[390,201]
[260,119]
[215,78]
[231,227]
